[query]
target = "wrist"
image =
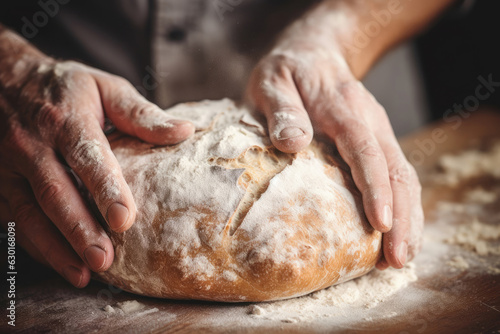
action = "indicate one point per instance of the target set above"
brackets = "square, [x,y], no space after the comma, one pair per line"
[326,31]
[362,31]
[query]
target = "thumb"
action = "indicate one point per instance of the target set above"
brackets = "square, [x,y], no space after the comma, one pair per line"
[277,97]
[131,113]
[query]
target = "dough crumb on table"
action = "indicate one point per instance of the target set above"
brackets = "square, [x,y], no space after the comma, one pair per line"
[129,307]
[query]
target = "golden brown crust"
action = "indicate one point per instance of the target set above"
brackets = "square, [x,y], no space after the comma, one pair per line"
[277,225]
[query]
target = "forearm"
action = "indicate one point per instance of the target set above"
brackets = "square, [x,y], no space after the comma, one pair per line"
[361,31]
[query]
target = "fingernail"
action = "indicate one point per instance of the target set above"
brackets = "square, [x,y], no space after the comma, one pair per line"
[402,252]
[73,275]
[289,133]
[95,257]
[186,127]
[117,216]
[387,219]
[177,122]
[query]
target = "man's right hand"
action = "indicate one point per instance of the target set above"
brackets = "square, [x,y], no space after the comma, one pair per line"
[52,113]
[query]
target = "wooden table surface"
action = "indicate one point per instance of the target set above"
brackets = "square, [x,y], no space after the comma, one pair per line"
[463,301]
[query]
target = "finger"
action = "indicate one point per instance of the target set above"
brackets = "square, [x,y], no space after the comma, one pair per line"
[35,253]
[6,217]
[347,124]
[277,97]
[87,151]
[415,237]
[361,151]
[401,177]
[38,236]
[63,205]
[396,245]
[136,116]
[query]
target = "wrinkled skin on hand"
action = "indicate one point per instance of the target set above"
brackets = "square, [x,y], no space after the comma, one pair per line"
[308,87]
[52,114]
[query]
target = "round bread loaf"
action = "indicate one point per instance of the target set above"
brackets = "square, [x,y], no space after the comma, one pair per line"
[224,216]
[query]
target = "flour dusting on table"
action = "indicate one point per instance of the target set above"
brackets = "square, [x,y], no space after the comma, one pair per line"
[362,293]
[469,164]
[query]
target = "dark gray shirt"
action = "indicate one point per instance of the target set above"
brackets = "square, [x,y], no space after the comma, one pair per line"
[171,50]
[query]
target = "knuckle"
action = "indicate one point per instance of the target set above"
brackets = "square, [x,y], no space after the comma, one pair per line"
[51,115]
[49,191]
[115,79]
[350,130]
[76,232]
[368,148]
[276,68]
[85,154]
[141,111]
[122,82]
[282,61]
[123,86]
[350,89]
[401,174]
[24,213]
[402,224]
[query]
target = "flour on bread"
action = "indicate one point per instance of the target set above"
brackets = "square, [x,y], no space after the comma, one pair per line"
[225,216]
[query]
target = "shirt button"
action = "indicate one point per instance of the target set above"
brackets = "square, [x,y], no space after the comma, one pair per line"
[176,34]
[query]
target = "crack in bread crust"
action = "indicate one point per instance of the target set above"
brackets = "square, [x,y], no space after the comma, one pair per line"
[261,165]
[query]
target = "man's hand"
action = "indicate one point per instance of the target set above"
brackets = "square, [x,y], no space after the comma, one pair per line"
[52,113]
[308,89]
[310,80]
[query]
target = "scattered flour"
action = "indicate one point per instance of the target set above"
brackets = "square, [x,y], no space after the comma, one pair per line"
[481,196]
[365,292]
[472,244]
[479,241]
[469,164]
[493,270]
[477,237]
[458,262]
